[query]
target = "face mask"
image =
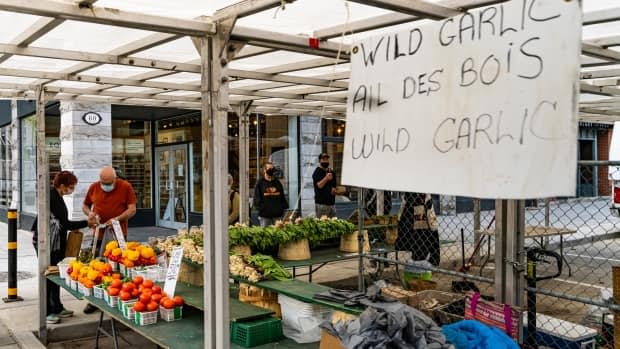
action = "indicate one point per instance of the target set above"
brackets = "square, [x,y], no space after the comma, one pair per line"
[270,172]
[325,164]
[107,187]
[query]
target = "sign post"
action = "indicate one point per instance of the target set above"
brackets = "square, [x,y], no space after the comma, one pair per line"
[173,271]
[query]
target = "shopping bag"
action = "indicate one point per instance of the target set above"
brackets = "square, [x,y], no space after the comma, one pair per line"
[74,243]
[503,316]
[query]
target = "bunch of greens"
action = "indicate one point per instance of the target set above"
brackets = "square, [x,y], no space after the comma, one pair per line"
[315,230]
[267,266]
[331,228]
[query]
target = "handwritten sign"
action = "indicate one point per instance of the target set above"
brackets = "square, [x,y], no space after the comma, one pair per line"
[173,271]
[483,104]
[118,233]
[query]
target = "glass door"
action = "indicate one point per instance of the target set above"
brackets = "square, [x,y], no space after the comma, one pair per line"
[172,185]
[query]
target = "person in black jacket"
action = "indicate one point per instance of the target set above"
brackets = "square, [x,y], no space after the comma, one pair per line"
[269,197]
[64,184]
[324,181]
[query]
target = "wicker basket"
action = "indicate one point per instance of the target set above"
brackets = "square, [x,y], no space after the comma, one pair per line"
[260,297]
[391,234]
[431,302]
[191,273]
[349,243]
[295,251]
[243,250]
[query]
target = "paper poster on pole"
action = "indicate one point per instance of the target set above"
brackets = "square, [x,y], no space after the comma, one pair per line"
[118,233]
[173,271]
[483,104]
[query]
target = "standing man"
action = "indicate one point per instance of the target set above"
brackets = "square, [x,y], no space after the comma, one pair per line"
[324,180]
[269,197]
[110,198]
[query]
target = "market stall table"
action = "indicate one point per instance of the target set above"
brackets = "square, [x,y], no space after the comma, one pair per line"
[322,257]
[301,290]
[538,233]
[186,333]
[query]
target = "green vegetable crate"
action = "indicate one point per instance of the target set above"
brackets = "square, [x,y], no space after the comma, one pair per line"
[258,332]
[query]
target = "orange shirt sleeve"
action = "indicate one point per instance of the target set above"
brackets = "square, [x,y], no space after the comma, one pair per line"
[88,200]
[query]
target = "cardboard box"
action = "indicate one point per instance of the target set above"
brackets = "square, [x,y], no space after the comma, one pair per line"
[328,341]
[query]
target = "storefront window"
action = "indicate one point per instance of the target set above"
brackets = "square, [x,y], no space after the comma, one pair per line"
[5,166]
[29,157]
[131,156]
[186,129]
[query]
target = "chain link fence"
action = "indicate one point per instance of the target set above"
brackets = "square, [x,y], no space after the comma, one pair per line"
[456,239]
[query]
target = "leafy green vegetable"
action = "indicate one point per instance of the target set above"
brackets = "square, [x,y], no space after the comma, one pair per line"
[315,230]
[270,269]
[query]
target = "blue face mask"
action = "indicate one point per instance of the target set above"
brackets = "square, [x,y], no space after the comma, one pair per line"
[107,187]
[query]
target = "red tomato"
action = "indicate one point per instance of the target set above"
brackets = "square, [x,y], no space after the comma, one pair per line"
[178,301]
[137,280]
[168,304]
[127,287]
[163,299]
[113,291]
[156,289]
[156,298]
[147,284]
[145,298]
[139,307]
[125,296]
[135,293]
[152,306]
[116,276]
[116,283]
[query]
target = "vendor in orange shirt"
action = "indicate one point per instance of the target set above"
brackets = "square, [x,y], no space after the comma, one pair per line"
[110,198]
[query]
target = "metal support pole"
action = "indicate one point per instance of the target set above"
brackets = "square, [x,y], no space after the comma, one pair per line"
[380,206]
[43,203]
[509,248]
[12,255]
[214,58]
[477,233]
[210,315]
[244,162]
[15,158]
[360,238]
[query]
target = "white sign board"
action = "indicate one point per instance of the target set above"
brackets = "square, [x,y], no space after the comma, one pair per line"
[118,233]
[483,104]
[173,271]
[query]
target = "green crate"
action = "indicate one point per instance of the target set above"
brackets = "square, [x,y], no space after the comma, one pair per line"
[252,333]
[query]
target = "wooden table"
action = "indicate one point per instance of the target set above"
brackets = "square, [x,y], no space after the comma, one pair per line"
[535,232]
[187,333]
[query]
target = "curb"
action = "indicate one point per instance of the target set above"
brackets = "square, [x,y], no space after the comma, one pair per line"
[27,340]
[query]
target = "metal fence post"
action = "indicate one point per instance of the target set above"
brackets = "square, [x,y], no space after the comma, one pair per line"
[12,254]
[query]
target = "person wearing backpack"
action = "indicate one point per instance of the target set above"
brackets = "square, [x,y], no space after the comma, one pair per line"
[233,202]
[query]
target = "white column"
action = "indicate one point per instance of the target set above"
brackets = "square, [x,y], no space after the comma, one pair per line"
[310,133]
[15,156]
[84,148]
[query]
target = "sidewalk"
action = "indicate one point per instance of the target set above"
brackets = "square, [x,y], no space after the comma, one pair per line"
[18,320]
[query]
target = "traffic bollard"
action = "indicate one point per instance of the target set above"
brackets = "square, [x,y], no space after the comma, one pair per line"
[12,254]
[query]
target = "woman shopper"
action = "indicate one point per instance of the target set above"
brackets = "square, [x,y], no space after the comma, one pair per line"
[64,184]
[417,228]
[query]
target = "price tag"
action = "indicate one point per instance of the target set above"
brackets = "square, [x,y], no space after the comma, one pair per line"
[173,271]
[118,233]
